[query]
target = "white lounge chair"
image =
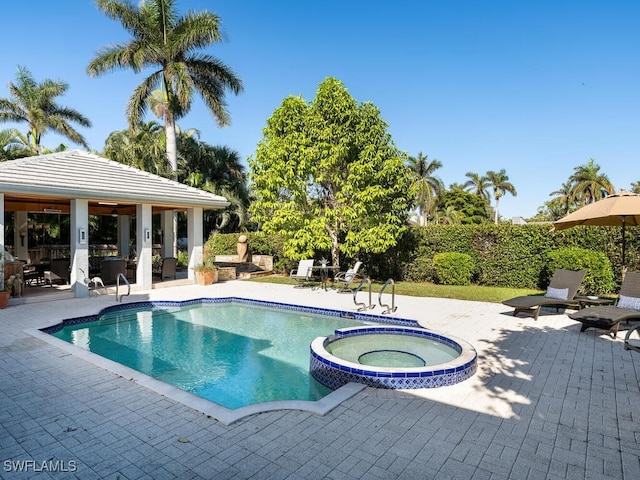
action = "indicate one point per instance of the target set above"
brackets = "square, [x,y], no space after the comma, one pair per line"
[347,277]
[303,273]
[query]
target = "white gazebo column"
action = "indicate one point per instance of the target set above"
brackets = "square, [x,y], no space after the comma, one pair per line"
[124,235]
[195,236]
[2,259]
[144,246]
[79,241]
[21,237]
[166,224]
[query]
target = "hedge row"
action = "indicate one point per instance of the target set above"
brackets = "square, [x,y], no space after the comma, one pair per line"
[502,255]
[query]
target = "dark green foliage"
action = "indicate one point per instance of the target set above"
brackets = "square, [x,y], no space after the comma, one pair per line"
[472,208]
[599,276]
[453,268]
[503,255]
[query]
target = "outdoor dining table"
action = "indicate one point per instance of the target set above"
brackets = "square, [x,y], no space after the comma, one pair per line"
[325,271]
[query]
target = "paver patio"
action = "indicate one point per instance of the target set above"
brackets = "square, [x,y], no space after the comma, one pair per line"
[547,402]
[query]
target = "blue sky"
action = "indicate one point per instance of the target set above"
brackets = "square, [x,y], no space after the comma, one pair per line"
[536,88]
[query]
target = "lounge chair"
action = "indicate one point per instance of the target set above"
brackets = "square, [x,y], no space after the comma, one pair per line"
[632,343]
[303,273]
[608,317]
[167,268]
[347,277]
[561,293]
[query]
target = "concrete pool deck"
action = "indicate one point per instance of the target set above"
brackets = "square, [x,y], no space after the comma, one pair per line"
[546,402]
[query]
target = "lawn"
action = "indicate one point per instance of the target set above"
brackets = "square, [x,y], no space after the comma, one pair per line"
[472,292]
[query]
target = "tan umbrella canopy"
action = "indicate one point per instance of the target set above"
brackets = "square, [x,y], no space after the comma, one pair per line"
[617,210]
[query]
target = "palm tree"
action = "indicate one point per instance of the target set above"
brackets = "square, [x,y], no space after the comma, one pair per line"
[169,43]
[589,185]
[477,184]
[499,181]
[426,184]
[564,197]
[34,103]
[143,148]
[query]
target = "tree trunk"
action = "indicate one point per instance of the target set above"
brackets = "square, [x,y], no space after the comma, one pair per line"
[172,159]
[335,250]
[172,149]
[496,212]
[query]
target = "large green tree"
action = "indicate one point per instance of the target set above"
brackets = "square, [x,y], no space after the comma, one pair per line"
[34,103]
[327,176]
[426,184]
[499,182]
[459,206]
[169,45]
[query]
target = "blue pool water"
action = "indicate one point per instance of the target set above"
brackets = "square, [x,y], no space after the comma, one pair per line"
[230,353]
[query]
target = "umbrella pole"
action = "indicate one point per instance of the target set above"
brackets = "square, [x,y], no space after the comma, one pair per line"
[624,244]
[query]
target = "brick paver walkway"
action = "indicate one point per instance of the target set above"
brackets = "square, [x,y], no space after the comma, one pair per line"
[548,402]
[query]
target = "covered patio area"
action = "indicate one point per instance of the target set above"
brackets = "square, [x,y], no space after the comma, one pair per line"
[80,184]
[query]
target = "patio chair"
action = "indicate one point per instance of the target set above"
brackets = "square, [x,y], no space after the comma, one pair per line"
[167,268]
[111,268]
[59,271]
[347,277]
[561,293]
[303,273]
[608,317]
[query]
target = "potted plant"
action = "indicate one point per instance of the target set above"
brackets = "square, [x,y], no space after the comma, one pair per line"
[5,292]
[206,273]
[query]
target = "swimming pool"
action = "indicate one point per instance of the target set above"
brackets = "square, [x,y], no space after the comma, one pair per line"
[230,351]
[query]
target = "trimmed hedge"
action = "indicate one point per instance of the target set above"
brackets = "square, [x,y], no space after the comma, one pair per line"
[503,255]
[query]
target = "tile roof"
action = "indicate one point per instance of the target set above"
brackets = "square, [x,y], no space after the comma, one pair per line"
[79,174]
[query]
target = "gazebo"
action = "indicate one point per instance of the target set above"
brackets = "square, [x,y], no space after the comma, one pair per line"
[79,183]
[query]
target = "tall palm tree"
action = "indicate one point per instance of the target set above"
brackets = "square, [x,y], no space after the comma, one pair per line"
[477,184]
[589,185]
[169,44]
[499,182]
[34,103]
[427,185]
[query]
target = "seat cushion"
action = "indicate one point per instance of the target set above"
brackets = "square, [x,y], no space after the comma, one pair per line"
[558,293]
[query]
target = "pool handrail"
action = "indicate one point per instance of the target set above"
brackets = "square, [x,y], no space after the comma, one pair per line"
[362,306]
[387,308]
[119,298]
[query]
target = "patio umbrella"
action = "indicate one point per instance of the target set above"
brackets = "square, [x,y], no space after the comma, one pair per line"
[617,210]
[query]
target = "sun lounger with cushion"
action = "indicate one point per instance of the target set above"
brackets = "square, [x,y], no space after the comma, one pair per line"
[561,293]
[608,317]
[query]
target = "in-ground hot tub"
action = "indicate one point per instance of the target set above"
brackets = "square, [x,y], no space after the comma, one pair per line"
[391,357]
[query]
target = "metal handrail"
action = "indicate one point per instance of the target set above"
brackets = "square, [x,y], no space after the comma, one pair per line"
[119,298]
[387,308]
[361,306]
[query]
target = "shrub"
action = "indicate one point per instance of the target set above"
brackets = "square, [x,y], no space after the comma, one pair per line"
[453,268]
[599,276]
[183,259]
